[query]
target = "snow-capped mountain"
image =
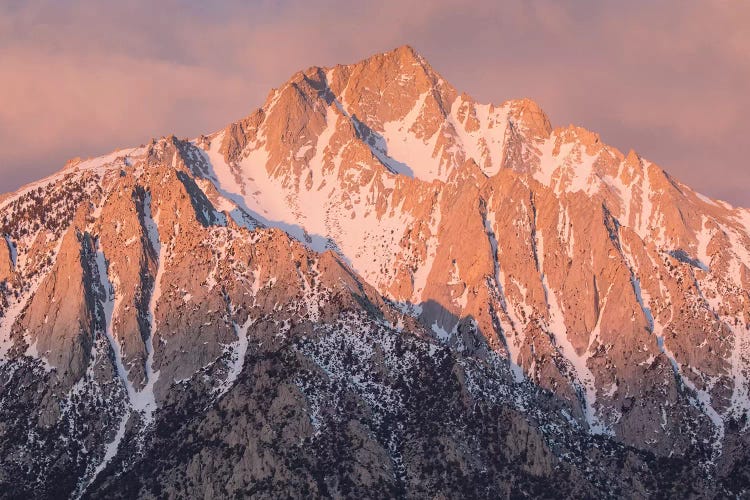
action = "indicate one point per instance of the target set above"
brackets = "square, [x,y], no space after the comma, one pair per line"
[373,285]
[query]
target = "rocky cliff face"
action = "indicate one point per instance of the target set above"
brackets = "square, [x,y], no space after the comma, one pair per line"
[373,286]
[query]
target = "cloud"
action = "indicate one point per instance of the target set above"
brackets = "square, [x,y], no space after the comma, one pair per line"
[667,78]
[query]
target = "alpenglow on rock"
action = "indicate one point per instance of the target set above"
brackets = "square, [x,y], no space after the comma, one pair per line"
[373,286]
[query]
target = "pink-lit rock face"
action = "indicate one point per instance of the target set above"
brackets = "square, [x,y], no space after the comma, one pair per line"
[373,247]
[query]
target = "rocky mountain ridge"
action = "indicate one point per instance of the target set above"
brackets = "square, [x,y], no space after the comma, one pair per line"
[371,237]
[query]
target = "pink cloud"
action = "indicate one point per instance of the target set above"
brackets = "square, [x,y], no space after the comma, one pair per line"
[666,78]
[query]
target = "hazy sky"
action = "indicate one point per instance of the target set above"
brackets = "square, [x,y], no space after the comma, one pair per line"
[669,79]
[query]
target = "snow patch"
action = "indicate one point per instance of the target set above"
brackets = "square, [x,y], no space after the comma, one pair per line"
[145,400]
[442,334]
[237,352]
[13,250]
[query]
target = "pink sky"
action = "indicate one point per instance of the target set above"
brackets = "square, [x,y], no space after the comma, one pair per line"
[669,79]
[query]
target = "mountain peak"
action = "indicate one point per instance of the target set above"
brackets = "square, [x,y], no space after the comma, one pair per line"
[368,240]
[529,113]
[405,54]
[399,63]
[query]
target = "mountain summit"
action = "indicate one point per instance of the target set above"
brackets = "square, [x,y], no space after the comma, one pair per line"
[373,286]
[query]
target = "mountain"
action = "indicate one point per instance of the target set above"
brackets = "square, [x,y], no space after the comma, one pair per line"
[373,286]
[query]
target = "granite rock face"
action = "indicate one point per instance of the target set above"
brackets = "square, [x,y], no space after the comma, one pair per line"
[373,286]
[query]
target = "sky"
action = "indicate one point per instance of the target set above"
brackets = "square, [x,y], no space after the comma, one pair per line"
[668,79]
